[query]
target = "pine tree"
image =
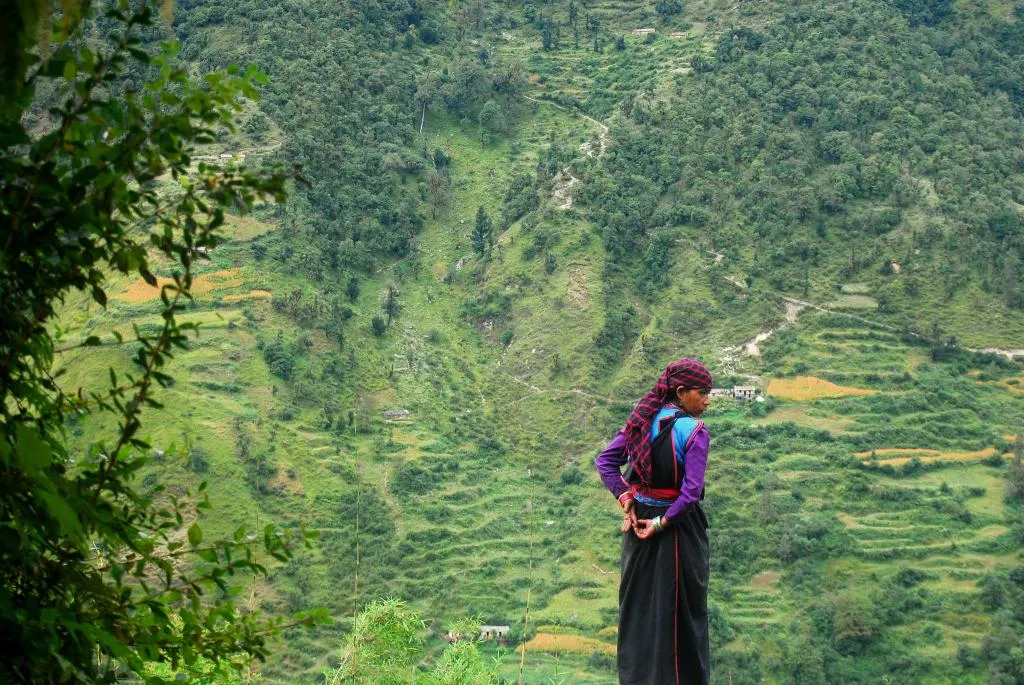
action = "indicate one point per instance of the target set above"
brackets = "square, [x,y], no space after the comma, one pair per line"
[391,305]
[483,231]
[1016,489]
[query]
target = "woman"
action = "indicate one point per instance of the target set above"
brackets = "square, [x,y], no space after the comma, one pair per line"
[663,589]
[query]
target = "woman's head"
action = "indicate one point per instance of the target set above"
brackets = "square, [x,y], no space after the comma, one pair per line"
[689,384]
[686,382]
[694,401]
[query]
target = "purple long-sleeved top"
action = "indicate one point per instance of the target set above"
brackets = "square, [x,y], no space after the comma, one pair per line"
[611,459]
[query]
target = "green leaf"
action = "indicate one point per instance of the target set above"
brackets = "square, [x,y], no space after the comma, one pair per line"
[99,295]
[92,341]
[33,451]
[60,510]
[147,276]
[195,535]
[88,59]
[140,55]
[70,70]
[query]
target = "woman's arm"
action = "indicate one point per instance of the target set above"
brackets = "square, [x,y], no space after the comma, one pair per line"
[609,463]
[696,463]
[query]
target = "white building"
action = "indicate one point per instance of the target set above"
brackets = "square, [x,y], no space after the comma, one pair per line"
[493,632]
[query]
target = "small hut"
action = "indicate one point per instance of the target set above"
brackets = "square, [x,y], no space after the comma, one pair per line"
[744,392]
[493,633]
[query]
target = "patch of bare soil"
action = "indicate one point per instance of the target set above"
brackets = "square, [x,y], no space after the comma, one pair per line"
[576,291]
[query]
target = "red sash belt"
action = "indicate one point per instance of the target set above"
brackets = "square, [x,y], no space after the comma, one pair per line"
[656,493]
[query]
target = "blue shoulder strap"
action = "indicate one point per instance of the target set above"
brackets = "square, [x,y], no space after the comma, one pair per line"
[684,428]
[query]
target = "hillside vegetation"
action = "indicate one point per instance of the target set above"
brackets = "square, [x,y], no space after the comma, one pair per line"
[516,215]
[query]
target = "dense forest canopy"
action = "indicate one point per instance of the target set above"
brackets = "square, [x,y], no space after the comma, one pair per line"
[832,131]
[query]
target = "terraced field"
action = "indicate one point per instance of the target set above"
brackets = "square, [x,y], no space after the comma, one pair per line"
[862,505]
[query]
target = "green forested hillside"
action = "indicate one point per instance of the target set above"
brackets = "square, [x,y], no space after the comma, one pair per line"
[516,215]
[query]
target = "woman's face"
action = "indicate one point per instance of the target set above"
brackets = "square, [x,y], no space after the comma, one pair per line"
[693,400]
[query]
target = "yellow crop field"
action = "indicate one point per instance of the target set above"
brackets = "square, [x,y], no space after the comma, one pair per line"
[765,580]
[203,286]
[550,642]
[245,227]
[806,388]
[900,451]
[940,456]
[251,295]
[1014,385]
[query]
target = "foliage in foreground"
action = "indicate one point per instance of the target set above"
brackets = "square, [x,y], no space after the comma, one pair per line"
[385,644]
[96,577]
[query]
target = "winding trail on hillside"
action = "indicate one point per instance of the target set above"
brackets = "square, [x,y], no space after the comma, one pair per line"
[1010,354]
[565,180]
[731,355]
[795,305]
[534,391]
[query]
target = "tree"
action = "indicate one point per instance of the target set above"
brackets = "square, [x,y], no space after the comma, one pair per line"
[992,591]
[438,189]
[547,36]
[667,9]
[490,118]
[385,645]
[766,510]
[854,623]
[1012,272]
[1015,491]
[483,231]
[428,90]
[94,574]
[391,304]
[352,289]
[510,80]
[280,360]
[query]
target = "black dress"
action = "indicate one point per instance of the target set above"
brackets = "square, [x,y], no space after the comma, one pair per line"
[663,592]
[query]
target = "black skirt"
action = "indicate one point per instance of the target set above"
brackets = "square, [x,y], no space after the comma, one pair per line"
[663,603]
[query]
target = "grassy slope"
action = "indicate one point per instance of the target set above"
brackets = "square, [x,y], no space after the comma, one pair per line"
[486,533]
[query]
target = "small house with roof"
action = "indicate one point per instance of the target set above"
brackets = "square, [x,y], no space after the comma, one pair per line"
[397,414]
[644,31]
[493,632]
[744,392]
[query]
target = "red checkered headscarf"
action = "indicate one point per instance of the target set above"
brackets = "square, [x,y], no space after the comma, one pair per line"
[688,373]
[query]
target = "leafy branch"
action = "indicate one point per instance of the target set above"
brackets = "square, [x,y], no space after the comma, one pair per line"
[120,586]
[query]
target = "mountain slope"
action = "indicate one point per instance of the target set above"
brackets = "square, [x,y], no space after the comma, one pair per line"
[759,157]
